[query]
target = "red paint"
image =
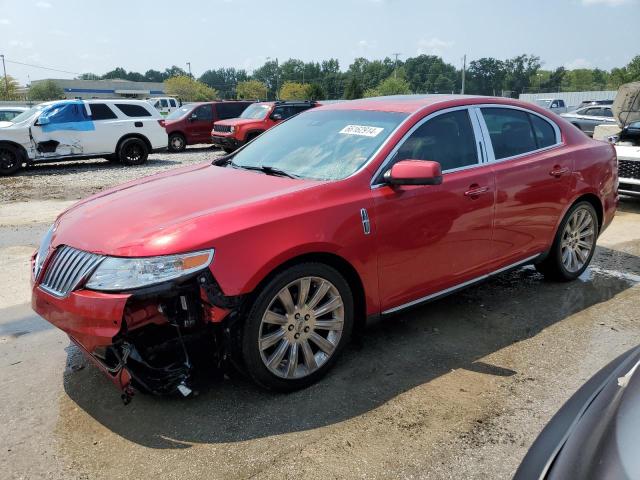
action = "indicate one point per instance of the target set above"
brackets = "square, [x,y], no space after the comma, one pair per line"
[423,238]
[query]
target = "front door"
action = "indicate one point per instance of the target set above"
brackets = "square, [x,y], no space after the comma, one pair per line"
[200,124]
[434,237]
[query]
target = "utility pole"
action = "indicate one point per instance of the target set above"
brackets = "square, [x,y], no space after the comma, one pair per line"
[395,64]
[189,65]
[6,81]
[464,71]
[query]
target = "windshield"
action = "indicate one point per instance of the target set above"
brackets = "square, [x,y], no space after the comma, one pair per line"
[180,112]
[28,114]
[257,111]
[321,145]
[543,103]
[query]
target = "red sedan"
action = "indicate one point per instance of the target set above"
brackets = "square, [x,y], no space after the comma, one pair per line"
[273,255]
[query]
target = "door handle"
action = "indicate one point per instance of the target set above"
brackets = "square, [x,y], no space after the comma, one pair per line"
[558,171]
[475,190]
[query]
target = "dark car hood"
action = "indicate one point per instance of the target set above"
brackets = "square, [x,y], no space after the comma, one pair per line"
[596,434]
[164,213]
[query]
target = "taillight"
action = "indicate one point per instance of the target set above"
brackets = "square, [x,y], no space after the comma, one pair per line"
[161,122]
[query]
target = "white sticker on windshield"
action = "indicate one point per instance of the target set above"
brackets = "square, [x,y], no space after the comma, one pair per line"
[362,130]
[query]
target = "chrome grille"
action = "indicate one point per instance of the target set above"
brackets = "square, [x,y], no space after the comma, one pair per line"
[629,169]
[67,269]
[222,128]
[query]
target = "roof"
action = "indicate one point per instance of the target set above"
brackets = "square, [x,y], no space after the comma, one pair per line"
[414,103]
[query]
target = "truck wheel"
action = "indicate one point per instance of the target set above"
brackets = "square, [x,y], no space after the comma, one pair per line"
[573,246]
[297,327]
[133,151]
[10,160]
[177,143]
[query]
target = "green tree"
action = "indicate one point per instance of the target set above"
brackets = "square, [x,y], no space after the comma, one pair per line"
[485,76]
[429,73]
[251,90]
[315,92]
[154,76]
[353,89]
[269,75]
[553,83]
[224,80]
[174,72]
[633,69]
[519,71]
[45,90]
[8,88]
[189,90]
[293,91]
[390,86]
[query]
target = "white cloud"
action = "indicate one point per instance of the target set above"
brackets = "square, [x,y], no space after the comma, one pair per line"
[433,46]
[43,5]
[578,63]
[4,21]
[21,44]
[608,3]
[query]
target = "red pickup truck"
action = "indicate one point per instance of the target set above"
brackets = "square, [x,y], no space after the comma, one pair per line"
[259,117]
[192,123]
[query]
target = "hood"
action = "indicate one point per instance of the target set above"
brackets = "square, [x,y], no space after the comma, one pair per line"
[176,211]
[626,106]
[238,121]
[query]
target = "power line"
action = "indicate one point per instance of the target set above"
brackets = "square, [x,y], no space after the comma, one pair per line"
[43,68]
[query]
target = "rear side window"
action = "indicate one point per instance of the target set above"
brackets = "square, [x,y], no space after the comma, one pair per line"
[447,139]
[544,132]
[172,102]
[606,112]
[131,110]
[510,131]
[100,111]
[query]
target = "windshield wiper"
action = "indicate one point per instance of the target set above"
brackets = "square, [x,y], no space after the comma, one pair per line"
[267,169]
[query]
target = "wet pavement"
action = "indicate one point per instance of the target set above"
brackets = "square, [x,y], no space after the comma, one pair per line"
[455,389]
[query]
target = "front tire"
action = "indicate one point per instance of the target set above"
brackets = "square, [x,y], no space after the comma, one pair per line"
[133,151]
[10,160]
[573,246]
[177,143]
[297,326]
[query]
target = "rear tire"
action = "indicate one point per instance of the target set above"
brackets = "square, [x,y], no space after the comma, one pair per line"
[290,344]
[10,160]
[573,246]
[177,143]
[133,151]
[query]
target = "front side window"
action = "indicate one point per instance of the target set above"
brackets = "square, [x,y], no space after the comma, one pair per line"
[172,102]
[203,113]
[180,112]
[321,144]
[510,131]
[101,111]
[447,139]
[164,103]
[606,112]
[131,110]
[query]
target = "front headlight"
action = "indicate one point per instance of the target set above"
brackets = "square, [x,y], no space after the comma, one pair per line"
[43,250]
[232,129]
[117,273]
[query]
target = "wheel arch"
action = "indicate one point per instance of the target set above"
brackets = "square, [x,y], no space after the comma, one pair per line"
[17,146]
[251,134]
[343,266]
[595,201]
[134,135]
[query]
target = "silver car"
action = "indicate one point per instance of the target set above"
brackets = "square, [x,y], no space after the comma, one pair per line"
[9,113]
[587,118]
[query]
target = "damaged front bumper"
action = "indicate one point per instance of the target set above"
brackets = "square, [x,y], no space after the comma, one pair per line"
[160,340]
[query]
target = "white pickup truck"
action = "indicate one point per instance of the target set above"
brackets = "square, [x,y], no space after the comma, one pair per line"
[119,130]
[556,105]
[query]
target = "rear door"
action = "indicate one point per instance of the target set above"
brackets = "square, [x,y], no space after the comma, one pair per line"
[532,175]
[433,237]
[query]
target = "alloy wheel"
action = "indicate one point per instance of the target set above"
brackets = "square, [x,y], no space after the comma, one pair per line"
[177,143]
[578,240]
[301,328]
[134,152]
[8,160]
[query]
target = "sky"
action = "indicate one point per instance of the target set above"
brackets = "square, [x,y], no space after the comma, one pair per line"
[81,36]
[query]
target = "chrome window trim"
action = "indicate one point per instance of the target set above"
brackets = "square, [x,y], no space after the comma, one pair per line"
[491,154]
[474,125]
[459,286]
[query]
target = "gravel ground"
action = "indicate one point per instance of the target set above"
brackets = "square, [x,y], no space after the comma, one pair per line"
[76,180]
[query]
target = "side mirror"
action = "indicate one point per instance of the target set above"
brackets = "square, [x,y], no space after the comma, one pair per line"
[414,172]
[42,120]
[276,116]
